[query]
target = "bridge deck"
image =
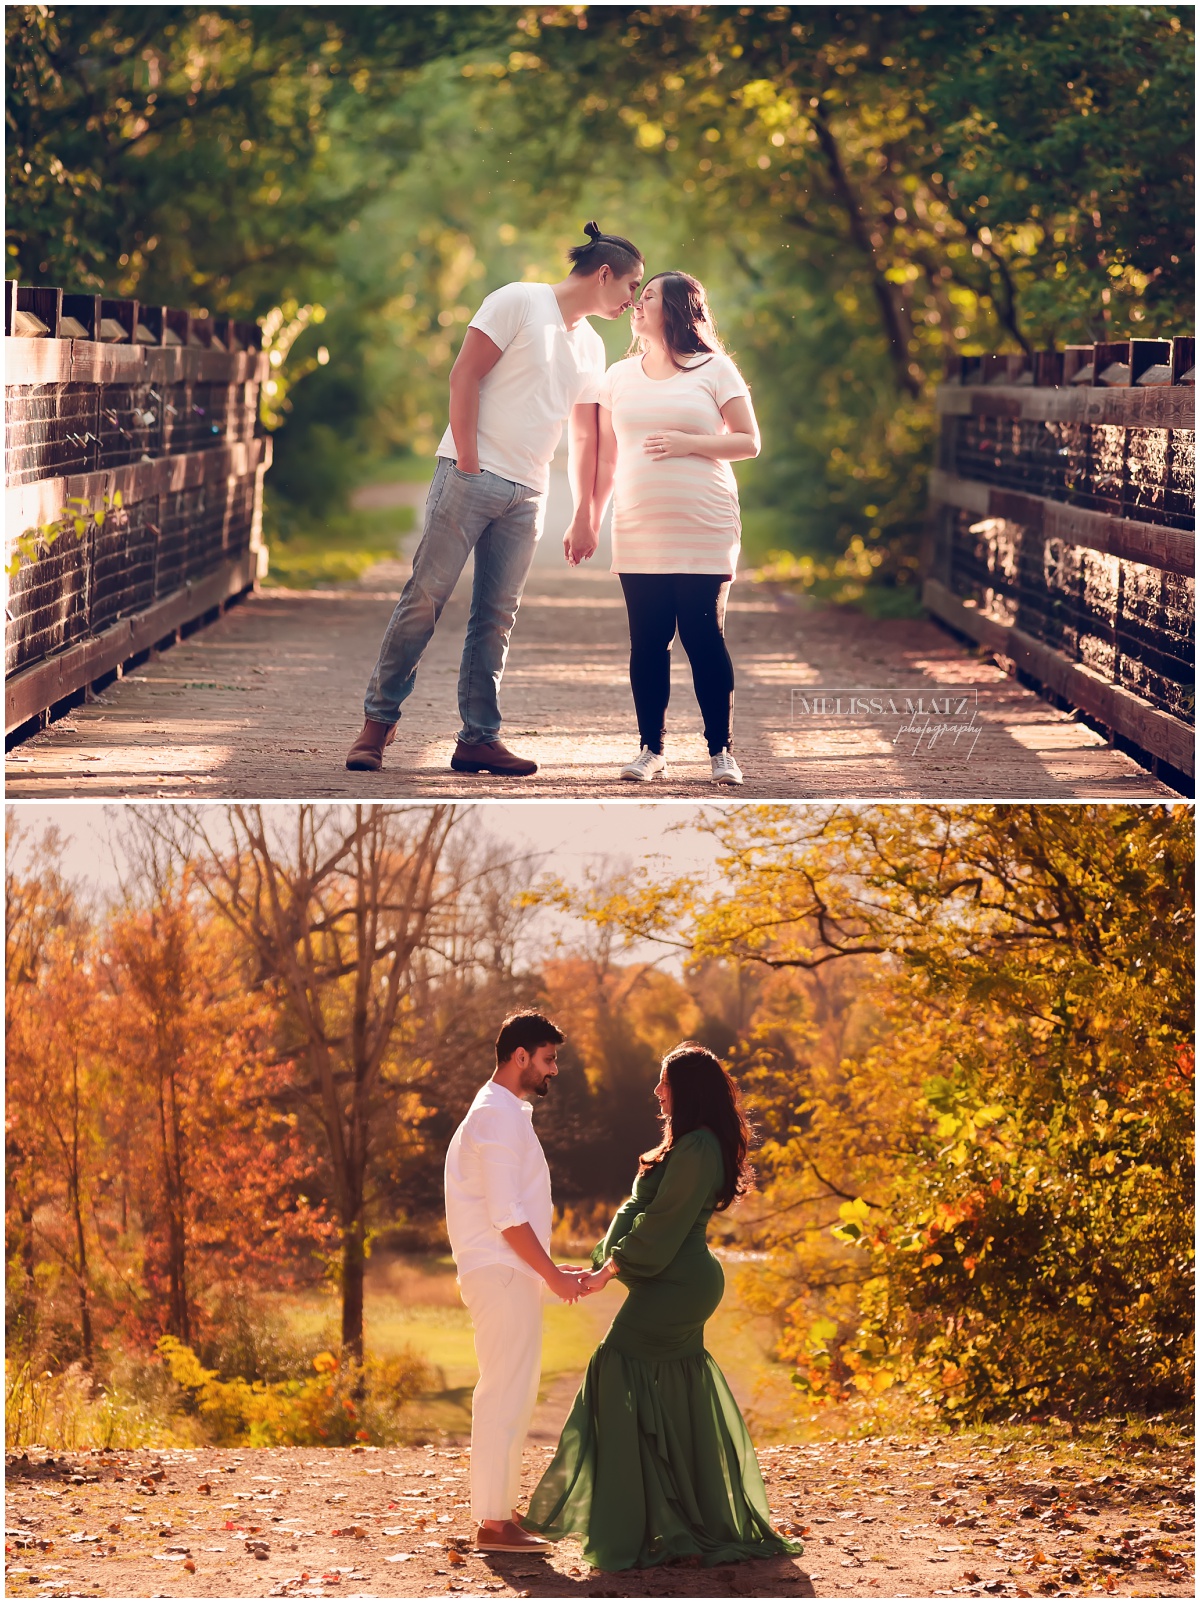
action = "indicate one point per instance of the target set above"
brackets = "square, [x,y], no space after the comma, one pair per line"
[264,703]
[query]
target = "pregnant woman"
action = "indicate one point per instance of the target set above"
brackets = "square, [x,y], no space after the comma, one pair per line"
[673,416]
[655,1462]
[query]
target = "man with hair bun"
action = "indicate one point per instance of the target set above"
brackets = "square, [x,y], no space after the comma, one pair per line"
[498,1217]
[530,362]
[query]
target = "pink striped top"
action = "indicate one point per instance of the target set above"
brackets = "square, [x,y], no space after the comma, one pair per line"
[681,514]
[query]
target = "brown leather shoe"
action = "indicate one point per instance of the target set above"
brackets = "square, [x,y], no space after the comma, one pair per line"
[508,1538]
[489,757]
[367,751]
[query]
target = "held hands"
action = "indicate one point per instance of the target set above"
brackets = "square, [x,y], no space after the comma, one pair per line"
[580,542]
[598,1279]
[570,1284]
[567,1284]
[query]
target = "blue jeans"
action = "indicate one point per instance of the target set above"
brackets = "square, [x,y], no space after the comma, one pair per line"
[501,523]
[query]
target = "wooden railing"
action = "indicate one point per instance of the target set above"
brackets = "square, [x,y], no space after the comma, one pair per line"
[134,467]
[1062,531]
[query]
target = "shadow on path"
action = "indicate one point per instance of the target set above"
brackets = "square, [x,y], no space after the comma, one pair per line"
[773,1577]
[265,702]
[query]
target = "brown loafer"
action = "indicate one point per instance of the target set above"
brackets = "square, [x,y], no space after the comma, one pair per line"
[367,751]
[509,1538]
[489,757]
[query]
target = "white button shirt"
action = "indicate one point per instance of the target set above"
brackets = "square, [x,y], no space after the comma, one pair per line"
[496,1177]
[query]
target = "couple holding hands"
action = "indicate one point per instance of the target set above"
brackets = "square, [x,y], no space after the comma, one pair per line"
[656,433]
[654,1462]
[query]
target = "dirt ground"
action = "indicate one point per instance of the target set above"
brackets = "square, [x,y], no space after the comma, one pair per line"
[937,1517]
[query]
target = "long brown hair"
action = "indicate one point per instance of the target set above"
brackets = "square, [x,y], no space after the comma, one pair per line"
[705,1096]
[688,326]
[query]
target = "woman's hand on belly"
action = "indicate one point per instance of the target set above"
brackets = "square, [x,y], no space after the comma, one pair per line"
[671,442]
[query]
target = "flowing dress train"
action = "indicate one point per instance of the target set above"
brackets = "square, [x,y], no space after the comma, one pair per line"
[655,1462]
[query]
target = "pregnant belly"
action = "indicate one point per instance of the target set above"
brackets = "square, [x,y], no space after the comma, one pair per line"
[665,1317]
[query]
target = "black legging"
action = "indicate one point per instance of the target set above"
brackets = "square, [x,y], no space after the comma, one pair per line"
[657,604]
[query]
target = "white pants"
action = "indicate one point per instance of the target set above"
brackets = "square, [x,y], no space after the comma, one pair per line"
[506,1311]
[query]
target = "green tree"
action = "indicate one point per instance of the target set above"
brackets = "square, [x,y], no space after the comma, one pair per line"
[874,187]
[206,153]
[1002,1141]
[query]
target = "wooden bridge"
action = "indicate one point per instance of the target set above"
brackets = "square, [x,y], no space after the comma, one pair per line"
[1060,554]
[134,470]
[1063,536]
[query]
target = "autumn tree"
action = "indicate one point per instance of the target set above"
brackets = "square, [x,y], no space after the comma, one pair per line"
[1003,1151]
[53,1105]
[336,905]
[221,1176]
[52,1075]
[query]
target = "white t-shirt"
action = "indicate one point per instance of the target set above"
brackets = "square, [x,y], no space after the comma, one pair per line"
[496,1177]
[544,371]
[674,514]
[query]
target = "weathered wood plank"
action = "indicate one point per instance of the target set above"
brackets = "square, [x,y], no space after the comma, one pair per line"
[953,491]
[28,505]
[1171,550]
[35,688]
[49,361]
[1167,406]
[1118,709]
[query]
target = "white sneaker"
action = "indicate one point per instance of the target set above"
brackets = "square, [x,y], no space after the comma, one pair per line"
[646,765]
[724,770]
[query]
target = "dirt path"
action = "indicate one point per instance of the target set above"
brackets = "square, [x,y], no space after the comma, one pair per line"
[880,1518]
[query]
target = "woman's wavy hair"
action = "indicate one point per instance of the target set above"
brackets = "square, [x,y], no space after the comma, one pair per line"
[705,1095]
[688,325]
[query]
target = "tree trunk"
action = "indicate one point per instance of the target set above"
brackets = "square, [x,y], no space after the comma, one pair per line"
[892,314]
[76,1202]
[177,1276]
[178,1320]
[25,1301]
[85,1312]
[28,1261]
[354,1263]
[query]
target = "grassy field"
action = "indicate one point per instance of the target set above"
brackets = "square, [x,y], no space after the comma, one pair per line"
[412,1301]
[336,549]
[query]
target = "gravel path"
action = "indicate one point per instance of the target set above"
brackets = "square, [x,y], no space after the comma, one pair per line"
[879,1518]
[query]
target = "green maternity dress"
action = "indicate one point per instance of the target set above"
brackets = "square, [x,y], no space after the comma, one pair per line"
[655,1462]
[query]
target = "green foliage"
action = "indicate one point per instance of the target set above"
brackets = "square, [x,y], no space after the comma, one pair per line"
[310,550]
[973,1072]
[340,1404]
[1041,1255]
[205,152]
[871,187]
[77,513]
[862,188]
